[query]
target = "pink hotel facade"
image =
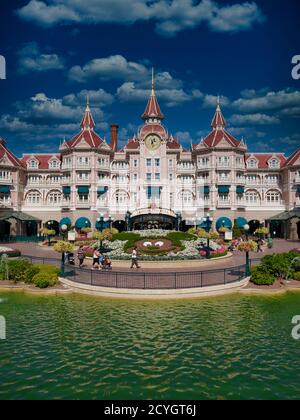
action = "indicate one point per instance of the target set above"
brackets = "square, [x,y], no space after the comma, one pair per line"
[151,182]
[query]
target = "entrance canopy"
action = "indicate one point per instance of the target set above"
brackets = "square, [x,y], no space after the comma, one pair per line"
[241,222]
[18,215]
[82,222]
[224,222]
[65,221]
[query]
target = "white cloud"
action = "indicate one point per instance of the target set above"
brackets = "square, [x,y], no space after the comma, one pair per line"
[97,98]
[253,119]
[184,137]
[113,67]
[210,101]
[130,92]
[269,101]
[170,16]
[31,59]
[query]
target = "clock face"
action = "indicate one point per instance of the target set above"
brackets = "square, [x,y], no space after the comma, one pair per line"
[153,142]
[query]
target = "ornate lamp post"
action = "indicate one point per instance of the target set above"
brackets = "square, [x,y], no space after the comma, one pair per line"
[178,220]
[127,220]
[49,228]
[100,222]
[248,271]
[64,229]
[207,224]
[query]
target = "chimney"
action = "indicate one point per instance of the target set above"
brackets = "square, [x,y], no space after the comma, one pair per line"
[114,129]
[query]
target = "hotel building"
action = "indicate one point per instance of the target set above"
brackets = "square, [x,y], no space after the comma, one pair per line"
[152,182]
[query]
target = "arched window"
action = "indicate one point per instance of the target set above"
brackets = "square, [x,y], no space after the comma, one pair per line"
[274,163]
[252,197]
[54,164]
[186,198]
[121,197]
[252,163]
[34,198]
[54,197]
[273,197]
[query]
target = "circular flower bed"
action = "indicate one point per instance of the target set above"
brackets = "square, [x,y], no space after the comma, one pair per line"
[9,252]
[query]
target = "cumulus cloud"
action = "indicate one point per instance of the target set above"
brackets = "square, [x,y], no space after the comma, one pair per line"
[269,101]
[169,16]
[210,101]
[130,92]
[253,119]
[31,59]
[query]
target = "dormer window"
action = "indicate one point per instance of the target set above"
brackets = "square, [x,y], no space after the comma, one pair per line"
[54,164]
[274,163]
[252,163]
[33,164]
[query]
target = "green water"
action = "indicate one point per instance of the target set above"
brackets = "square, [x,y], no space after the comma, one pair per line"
[81,347]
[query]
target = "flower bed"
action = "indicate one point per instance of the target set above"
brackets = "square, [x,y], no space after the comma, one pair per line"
[9,252]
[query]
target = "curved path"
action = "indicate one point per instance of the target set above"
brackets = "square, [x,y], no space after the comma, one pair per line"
[237,259]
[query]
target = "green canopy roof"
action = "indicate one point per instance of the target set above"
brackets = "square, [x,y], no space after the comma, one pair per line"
[18,215]
[286,215]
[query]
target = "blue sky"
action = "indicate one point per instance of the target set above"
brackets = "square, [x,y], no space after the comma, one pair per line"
[57,51]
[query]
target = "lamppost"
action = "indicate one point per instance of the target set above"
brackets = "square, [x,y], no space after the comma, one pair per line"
[127,220]
[100,222]
[248,271]
[64,229]
[261,225]
[178,220]
[110,221]
[49,236]
[207,224]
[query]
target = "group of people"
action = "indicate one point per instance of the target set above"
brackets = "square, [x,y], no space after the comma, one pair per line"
[101,261]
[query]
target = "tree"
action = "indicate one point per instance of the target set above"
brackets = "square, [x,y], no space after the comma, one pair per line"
[105,235]
[62,247]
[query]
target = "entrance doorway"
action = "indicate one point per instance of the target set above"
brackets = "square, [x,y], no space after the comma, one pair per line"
[254,225]
[4,230]
[298,229]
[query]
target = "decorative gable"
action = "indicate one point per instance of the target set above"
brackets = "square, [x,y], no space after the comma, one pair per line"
[252,162]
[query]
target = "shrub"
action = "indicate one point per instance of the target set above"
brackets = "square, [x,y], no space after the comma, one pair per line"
[30,273]
[17,270]
[296,276]
[42,280]
[63,246]
[260,276]
[177,237]
[279,264]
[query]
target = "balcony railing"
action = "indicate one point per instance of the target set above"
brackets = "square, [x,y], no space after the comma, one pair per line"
[181,168]
[6,180]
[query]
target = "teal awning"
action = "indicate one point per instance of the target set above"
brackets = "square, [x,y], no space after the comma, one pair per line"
[241,222]
[65,221]
[83,190]
[298,189]
[102,224]
[223,189]
[240,189]
[224,222]
[82,222]
[67,190]
[205,189]
[102,190]
[5,189]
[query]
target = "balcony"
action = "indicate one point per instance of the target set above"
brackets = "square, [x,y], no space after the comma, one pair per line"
[4,180]
[241,202]
[185,169]
[83,204]
[297,180]
[224,203]
[224,180]
[66,166]
[82,180]
[5,202]
[223,165]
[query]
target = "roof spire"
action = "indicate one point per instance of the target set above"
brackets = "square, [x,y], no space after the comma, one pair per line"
[88,122]
[218,122]
[153,83]
[153,109]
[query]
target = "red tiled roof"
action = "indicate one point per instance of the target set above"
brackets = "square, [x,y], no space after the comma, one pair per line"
[263,159]
[216,136]
[132,145]
[89,136]
[293,158]
[153,128]
[173,144]
[153,109]
[88,120]
[4,151]
[42,159]
[218,120]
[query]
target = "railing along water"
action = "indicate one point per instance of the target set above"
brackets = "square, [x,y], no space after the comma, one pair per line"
[143,279]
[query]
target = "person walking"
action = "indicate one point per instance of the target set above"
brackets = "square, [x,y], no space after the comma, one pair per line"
[80,256]
[96,256]
[134,258]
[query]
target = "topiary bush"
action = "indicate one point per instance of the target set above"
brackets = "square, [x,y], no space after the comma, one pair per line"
[260,276]
[43,280]
[17,270]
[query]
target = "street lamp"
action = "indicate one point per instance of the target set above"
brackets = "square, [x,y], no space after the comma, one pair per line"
[64,229]
[49,236]
[248,271]
[100,222]
[207,224]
